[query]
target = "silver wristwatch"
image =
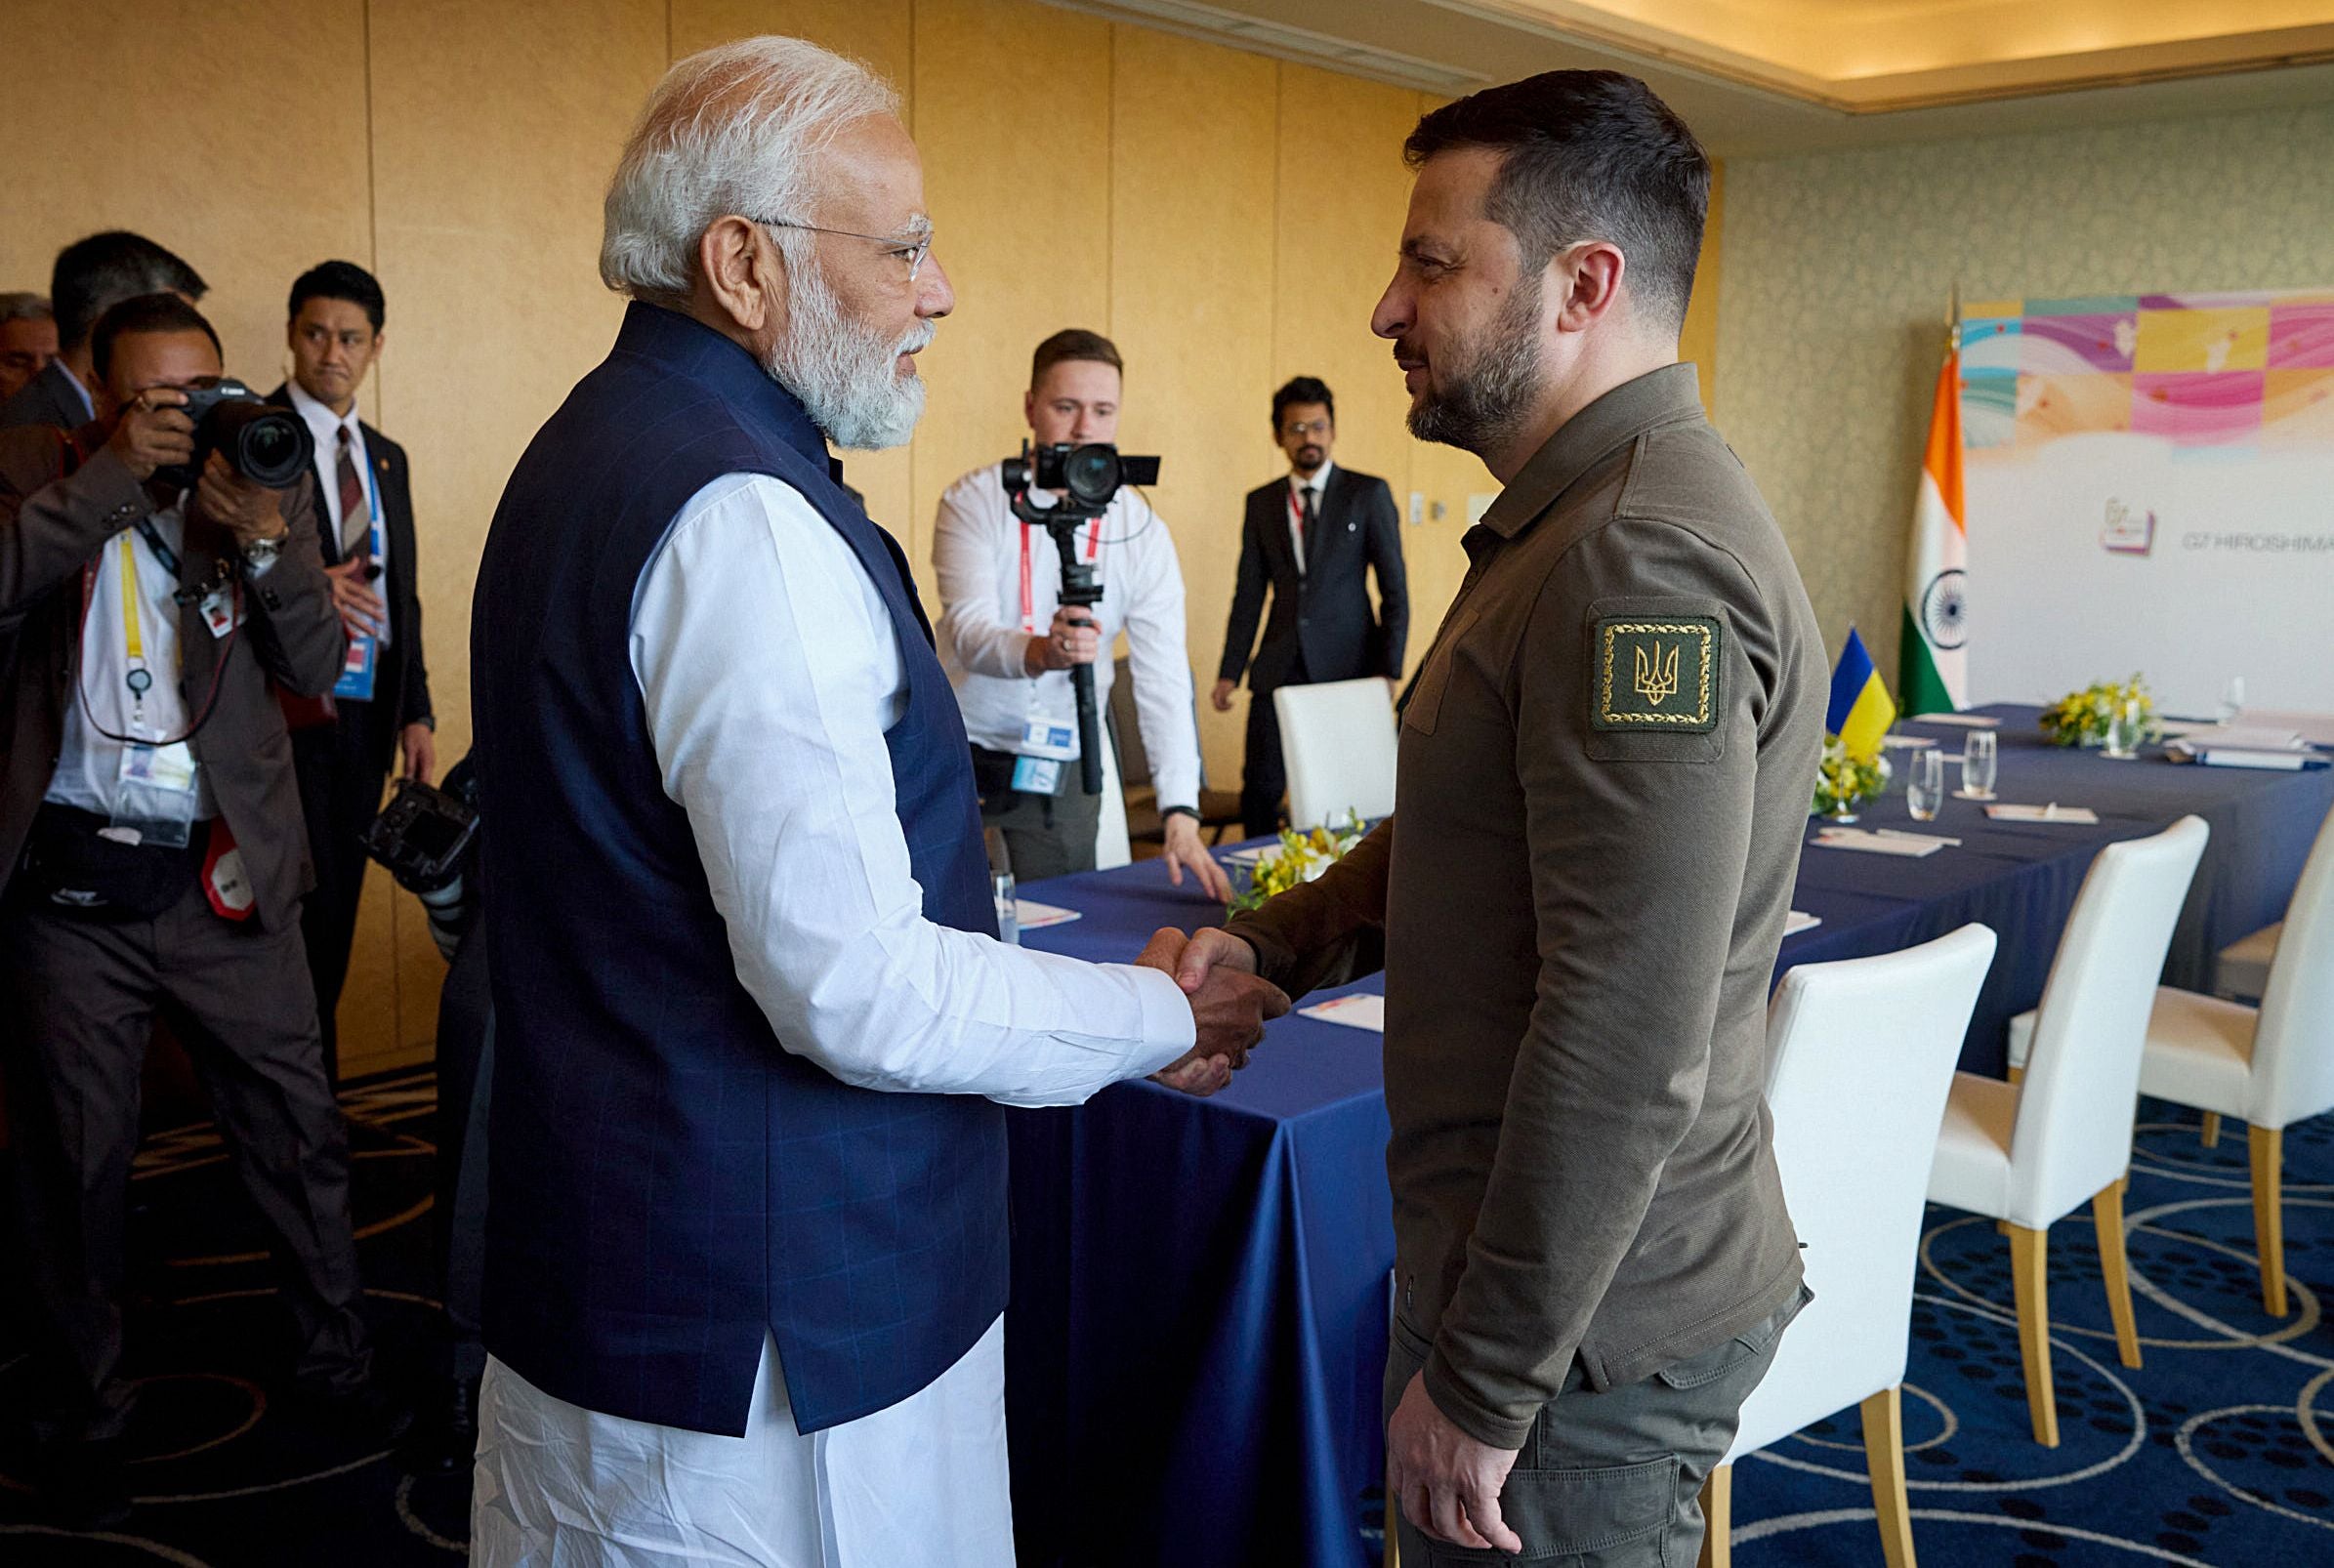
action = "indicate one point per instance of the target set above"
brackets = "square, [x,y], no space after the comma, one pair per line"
[260,553]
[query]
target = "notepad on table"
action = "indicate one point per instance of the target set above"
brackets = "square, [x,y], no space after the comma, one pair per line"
[1036,917]
[1798,920]
[1905,743]
[1361,1010]
[1966,720]
[2275,762]
[1914,844]
[2079,814]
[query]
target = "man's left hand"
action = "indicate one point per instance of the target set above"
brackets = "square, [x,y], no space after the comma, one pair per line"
[419,744]
[1185,852]
[1444,1481]
[246,508]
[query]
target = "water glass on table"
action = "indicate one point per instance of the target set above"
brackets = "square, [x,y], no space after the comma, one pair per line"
[2123,733]
[1978,764]
[1925,786]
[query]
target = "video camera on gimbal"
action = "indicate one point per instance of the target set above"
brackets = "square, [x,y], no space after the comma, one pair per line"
[1085,478]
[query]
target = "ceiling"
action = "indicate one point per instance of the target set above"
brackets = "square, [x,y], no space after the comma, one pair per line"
[1766,76]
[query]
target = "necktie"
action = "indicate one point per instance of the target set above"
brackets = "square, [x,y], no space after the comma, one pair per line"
[1305,527]
[357,525]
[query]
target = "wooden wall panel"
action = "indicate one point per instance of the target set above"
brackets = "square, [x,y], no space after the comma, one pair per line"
[1020,182]
[495,130]
[234,134]
[1192,168]
[1698,339]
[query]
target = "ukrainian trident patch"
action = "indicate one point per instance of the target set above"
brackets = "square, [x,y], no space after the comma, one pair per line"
[1655,675]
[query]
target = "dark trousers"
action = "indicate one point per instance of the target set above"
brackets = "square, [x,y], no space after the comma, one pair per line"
[80,997]
[465,1085]
[1263,777]
[343,769]
[1612,1479]
[1046,834]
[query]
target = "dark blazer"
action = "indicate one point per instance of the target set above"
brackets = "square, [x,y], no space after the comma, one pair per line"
[1326,610]
[48,398]
[52,523]
[403,671]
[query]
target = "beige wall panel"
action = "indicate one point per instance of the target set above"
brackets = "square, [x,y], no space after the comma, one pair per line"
[495,130]
[1193,165]
[181,137]
[1698,339]
[1020,184]
[879,33]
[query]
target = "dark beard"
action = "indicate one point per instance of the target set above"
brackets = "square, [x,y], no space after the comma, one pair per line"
[1482,410]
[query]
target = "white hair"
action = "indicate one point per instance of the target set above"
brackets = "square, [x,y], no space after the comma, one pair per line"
[735,129]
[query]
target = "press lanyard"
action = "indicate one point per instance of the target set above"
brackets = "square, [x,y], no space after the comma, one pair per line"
[1094,553]
[139,679]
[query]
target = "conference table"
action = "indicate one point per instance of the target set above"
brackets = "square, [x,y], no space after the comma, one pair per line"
[1200,1286]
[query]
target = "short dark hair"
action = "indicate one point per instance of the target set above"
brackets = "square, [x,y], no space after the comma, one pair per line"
[148,312]
[1073,343]
[1587,154]
[1303,389]
[93,275]
[23,306]
[340,280]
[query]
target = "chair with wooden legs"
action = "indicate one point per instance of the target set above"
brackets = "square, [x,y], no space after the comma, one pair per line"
[2031,1153]
[1860,1055]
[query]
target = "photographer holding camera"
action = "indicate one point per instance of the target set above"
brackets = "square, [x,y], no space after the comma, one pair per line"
[1009,644]
[160,566]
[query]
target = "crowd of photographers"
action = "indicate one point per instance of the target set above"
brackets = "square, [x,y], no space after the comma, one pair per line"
[211,661]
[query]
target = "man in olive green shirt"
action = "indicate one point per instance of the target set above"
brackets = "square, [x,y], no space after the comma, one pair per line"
[1605,772]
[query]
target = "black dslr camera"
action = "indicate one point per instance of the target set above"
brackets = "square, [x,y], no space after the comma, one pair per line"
[266,444]
[421,835]
[1086,476]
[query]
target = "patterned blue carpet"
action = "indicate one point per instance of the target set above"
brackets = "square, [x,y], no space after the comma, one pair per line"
[2219,1451]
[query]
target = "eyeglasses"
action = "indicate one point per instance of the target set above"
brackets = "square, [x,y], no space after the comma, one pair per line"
[910,250]
[1310,426]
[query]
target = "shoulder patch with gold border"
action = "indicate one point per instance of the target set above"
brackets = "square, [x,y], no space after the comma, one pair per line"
[1655,675]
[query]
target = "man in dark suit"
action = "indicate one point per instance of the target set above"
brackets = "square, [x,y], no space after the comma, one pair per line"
[365,531]
[152,859]
[90,277]
[1310,536]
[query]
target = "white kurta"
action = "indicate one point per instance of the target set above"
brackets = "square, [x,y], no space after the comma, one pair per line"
[769,670]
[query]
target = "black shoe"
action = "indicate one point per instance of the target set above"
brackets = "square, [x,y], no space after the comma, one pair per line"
[87,1485]
[448,1439]
[364,1415]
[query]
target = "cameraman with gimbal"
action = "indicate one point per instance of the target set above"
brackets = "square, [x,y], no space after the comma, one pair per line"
[156,569]
[1010,642]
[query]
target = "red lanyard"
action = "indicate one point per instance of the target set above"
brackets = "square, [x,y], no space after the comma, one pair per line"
[1296,514]
[1094,553]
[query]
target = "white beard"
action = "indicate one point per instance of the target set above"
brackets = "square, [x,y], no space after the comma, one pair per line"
[843,372]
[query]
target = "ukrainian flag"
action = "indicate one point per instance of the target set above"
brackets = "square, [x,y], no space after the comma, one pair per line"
[1861,709]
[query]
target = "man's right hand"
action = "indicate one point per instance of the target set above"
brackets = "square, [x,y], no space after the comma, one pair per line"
[1222,696]
[154,433]
[1072,639]
[1230,1008]
[1210,952]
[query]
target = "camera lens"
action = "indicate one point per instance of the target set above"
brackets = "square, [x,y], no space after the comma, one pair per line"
[1091,474]
[269,447]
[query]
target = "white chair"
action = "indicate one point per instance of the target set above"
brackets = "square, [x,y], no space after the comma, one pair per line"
[1860,1055]
[2269,1066]
[2028,1154]
[1337,740]
[2241,972]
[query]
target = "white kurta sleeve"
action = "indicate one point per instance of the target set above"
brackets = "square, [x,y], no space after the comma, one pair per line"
[770,672]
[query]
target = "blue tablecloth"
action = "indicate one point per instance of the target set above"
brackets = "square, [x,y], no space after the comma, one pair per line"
[1199,1319]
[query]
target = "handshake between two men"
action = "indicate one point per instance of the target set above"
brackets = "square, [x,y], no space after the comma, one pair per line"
[1229,1005]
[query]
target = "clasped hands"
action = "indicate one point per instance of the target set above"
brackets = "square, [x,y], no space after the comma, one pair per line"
[1229,1005]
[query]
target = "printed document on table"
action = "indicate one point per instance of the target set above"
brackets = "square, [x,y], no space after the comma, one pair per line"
[1358,1011]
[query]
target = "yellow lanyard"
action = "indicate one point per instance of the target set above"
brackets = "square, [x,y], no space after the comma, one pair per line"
[139,678]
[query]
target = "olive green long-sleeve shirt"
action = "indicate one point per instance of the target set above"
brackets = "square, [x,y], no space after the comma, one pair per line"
[1604,773]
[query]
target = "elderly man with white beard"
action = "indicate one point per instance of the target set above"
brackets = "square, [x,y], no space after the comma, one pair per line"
[746,1222]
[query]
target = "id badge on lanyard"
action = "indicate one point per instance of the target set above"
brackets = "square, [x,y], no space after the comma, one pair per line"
[154,790]
[355,683]
[1046,745]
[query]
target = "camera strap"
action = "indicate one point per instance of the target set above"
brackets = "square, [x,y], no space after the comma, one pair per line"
[1094,553]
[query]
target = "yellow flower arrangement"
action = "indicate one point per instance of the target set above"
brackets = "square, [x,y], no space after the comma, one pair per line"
[1301,857]
[2081,718]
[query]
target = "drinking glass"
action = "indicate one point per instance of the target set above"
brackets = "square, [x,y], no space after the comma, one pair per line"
[1977,760]
[1925,787]
[1001,889]
[2233,699]
[2123,733]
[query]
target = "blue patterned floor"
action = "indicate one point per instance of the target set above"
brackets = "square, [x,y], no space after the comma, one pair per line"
[2219,1451]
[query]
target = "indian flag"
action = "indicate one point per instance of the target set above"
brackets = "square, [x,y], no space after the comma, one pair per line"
[1931,665]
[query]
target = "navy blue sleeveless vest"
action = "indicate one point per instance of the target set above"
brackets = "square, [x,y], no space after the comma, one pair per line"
[667,1179]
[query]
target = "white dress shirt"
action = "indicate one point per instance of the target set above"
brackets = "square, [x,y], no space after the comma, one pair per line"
[1298,484]
[977,556]
[89,763]
[326,427]
[769,669]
